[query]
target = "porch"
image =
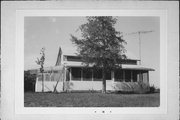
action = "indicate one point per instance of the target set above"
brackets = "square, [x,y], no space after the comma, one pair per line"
[119,75]
[80,78]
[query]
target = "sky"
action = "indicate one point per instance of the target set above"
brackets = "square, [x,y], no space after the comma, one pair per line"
[54,32]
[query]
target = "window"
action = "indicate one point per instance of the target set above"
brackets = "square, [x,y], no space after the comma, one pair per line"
[74,58]
[108,75]
[135,76]
[52,77]
[76,73]
[56,76]
[55,71]
[39,77]
[128,61]
[87,74]
[97,75]
[65,58]
[47,77]
[127,75]
[118,75]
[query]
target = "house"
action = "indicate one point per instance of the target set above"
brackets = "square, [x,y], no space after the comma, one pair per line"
[70,74]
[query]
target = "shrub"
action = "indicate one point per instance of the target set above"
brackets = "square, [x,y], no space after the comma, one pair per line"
[131,87]
[152,89]
[29,81]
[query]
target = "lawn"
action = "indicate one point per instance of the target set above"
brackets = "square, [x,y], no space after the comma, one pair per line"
[91,100]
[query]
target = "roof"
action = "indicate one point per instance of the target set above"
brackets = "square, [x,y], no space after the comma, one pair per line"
[67,51]
[136,67]
[70,51]
[128,67]
[59,67]
[51,68]
[58,61]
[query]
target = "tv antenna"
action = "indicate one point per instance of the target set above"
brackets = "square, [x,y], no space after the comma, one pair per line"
[139,35]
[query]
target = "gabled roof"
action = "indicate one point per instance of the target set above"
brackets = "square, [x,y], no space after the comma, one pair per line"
[58,61]
[67,51]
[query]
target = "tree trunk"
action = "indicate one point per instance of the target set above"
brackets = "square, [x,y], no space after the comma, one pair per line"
[103,81]
[42,82]
[55,88]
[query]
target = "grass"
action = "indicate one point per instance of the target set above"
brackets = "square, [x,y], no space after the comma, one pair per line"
[90,100]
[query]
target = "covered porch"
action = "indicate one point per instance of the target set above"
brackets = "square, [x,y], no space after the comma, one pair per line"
[125,74]
[81,78]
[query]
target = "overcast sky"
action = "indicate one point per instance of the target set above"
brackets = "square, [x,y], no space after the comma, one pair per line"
[53,32]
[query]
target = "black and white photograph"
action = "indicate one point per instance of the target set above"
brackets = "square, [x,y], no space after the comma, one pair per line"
[92,61]
[89,60]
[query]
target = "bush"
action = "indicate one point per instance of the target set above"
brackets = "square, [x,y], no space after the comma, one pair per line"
[29,81]
[131,87]
[152,89]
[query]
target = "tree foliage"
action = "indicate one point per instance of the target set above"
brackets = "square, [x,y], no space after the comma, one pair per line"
[100,44]
[41,63]
[29,81]
[41,60]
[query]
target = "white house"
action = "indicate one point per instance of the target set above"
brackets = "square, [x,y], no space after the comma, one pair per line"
[70,74]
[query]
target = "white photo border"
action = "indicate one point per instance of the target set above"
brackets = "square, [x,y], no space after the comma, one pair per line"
[19,63]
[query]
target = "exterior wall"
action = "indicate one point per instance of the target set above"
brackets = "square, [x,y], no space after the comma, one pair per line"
[80,85]
[92,86]
[88,85]
[48,86]
[70,84]
[131,87]
[50,78]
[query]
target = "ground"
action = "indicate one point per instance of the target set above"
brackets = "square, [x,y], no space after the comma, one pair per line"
[91,100]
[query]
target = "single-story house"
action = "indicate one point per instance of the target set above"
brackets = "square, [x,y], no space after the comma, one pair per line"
[70,74]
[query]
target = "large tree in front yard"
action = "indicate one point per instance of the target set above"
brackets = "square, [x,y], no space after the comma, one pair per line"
[100,44]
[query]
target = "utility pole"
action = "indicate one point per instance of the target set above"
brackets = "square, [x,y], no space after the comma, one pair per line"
[139,35]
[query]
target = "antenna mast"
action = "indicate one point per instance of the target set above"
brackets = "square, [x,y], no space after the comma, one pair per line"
[139,34]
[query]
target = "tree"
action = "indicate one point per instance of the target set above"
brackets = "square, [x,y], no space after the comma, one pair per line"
[41,63]
[29,81]
[100,44]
